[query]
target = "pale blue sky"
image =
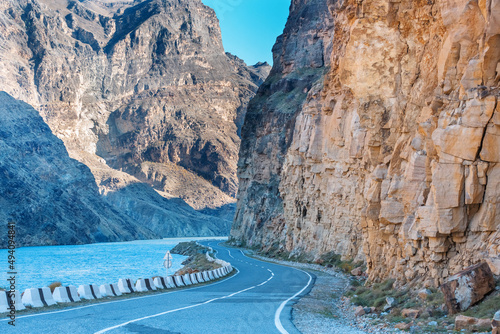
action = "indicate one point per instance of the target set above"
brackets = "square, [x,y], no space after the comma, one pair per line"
[250,27]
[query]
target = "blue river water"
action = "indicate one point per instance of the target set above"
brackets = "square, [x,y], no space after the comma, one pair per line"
[93,263]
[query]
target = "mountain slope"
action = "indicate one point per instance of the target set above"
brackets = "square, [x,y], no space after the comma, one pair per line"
[391,155]
[137,83]
[52,198]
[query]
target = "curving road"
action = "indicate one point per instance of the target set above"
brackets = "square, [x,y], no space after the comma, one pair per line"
[256,300]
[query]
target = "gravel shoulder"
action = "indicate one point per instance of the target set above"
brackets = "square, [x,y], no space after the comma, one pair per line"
[324,310]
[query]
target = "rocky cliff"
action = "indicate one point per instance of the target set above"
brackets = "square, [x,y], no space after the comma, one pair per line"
[145,85]
[139,91]
[52,198]
[376,136]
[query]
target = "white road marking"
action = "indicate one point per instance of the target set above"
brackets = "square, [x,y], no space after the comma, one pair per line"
[183,308]
[277,321]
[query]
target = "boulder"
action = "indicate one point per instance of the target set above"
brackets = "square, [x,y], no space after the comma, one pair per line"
[357,271]
[390,303]
[467,287]
[464,322]
[495,323]
[359,311]
[423,294]
[403,326]
[410,313]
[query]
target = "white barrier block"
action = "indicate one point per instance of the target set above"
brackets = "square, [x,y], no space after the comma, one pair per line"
[187,279]
[179,281]
[7,299]
[38,297]
[144,284]
[109,290]
[199,277]
[160,283]
[89,291]
[66,294]
[171,282]
[216,273]
[211,275]
[206,277]
[125,285]
[193,278]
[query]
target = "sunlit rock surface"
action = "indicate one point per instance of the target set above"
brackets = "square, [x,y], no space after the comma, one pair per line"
[145,87]
[377,136]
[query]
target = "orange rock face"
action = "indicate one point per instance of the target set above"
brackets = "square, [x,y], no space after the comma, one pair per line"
[393,156]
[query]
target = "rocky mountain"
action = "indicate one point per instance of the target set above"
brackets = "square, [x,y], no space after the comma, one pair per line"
[52,198]
[376,136]
[139,91]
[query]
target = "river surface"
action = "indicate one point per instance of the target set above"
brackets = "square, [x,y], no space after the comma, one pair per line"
[100,263]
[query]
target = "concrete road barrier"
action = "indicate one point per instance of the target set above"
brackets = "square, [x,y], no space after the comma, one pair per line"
[193,278]
[109,290]
[219,272]
[211,275]
[66,294]
[171,282]
[187,279]
[206,277]
[89,291]
[216,273]
[144,284]
[125,285]
[161,283]
[179,281]
[38,297]
[7,300]
[199,277]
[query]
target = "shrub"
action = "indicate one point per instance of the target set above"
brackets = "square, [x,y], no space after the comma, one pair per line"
[54,285]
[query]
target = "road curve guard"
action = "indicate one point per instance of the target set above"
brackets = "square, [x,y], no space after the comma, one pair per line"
[8,299]
[144,284]
[66,294]
[161,283]
[125,285]
[211,275]
[214,272]
[193,278]
[206,277]
[38,297]
[199,278]
[89,291]
[187,279]
[110,290]
[170,282]
[178,281]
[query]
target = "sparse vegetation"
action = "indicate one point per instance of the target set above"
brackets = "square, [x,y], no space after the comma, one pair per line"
[485,309]
[54,285]
[197,260]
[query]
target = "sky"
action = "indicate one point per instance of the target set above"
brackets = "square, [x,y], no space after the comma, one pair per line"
[250,27]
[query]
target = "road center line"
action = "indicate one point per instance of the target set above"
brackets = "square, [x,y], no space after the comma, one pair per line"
[183,308]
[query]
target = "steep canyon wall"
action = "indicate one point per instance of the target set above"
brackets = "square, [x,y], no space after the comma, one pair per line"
[377,136]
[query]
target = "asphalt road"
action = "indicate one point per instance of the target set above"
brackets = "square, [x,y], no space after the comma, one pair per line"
[256,300]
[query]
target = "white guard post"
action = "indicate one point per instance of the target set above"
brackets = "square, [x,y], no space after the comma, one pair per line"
[66,294]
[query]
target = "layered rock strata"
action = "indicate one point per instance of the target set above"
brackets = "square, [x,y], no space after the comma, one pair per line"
[144,85]
[51,198]
[392,155]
